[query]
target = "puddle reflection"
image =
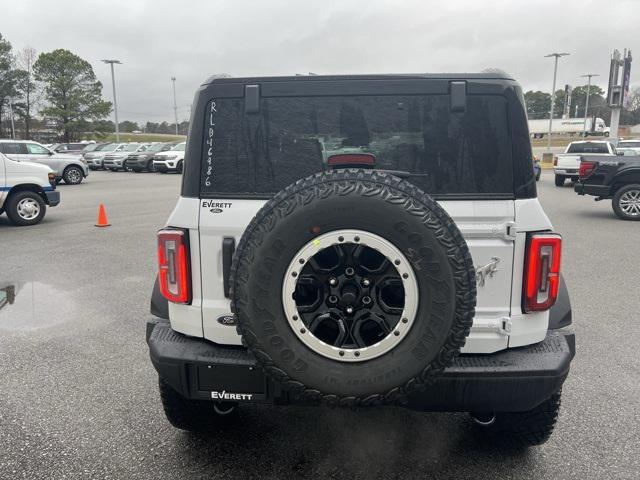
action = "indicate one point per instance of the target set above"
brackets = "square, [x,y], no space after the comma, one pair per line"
[32,306]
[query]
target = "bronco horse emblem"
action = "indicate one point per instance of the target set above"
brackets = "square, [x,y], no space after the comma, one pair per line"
[487,271]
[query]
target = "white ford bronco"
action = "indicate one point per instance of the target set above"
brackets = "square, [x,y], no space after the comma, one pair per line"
[360,241]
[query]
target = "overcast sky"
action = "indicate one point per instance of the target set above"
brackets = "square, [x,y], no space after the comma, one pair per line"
[191,40]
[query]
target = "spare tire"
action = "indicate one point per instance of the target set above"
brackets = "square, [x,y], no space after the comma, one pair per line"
[353,287]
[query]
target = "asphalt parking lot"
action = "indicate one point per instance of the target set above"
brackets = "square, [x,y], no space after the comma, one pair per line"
[78,396]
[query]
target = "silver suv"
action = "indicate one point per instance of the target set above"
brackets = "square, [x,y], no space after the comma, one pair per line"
[115,161]
[69,168]
[95,158]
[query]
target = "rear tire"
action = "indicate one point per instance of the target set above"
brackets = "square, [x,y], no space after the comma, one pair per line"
[626,202]
[559,180]
[521,429]
[25,208]
[193,415]
[179,167]
[72,175]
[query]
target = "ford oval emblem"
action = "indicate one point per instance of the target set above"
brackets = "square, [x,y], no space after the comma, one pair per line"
[216,210]
[227,320]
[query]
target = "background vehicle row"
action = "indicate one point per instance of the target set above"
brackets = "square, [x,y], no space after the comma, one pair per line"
[137,157]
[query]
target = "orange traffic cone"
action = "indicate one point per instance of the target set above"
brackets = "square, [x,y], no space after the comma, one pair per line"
[102,217]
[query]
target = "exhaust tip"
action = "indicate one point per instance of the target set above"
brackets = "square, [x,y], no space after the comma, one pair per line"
[484,419]
[223,408]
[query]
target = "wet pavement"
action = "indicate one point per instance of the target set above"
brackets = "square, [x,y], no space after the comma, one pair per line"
[78,396]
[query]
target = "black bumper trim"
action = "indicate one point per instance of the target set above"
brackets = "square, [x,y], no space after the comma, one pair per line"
[512,380]
[595,190]
[52,198]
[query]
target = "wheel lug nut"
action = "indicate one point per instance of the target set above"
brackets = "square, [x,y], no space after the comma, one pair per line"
[366,300]
[333,299]
[366,282]
[333,281]
[349,271]
[349,310]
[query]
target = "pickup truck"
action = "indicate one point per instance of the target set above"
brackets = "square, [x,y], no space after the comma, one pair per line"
[630,145]
[617,178]
[567,164]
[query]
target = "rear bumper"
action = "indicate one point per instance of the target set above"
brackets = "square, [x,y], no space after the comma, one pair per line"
[52,198]
[588,189]
[569,172]
[513,380]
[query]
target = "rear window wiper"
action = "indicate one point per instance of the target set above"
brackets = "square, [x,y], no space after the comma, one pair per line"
[403,173]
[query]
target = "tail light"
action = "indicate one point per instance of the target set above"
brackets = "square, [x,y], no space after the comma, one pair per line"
[586,168]
[555,161]
[173,265]
[352,160]
[542,271]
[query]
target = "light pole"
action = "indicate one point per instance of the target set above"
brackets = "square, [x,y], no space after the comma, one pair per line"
[586,103]
[553,93]
[115,103]
[175,106]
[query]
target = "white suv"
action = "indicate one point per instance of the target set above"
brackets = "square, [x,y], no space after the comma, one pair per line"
[69,168]
[170,160]
[361,241]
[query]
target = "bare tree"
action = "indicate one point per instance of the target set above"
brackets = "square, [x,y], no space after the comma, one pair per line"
[25,60]
[634,105]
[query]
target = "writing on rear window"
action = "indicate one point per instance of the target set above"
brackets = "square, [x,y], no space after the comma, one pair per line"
[209,143]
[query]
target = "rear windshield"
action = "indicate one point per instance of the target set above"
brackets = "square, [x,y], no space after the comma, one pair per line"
[629,144]
[292,137]
[588,148]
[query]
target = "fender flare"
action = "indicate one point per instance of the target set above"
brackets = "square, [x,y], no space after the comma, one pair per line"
[560,313]
[159,304]
[626,176]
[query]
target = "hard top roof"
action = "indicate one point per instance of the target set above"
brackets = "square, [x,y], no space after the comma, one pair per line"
[390,76]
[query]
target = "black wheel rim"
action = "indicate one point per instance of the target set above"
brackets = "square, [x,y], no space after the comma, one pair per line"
[349,296]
